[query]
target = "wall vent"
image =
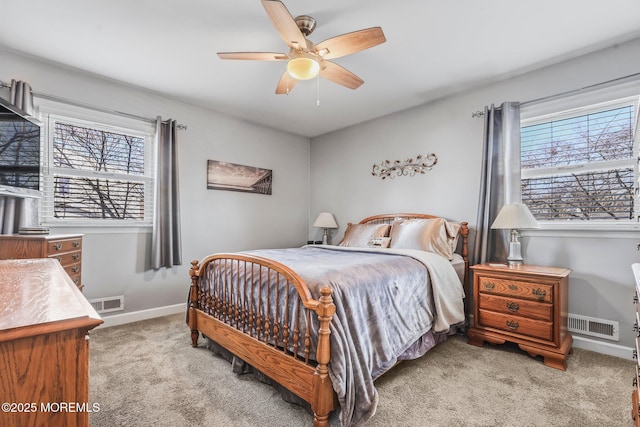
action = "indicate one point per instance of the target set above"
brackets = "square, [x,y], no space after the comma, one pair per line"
[108,304]
[601,328]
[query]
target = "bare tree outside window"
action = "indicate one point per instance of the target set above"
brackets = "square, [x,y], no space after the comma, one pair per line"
[98,173]
[580,168]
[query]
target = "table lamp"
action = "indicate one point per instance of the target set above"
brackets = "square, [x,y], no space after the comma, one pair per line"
[515,216]
[325,220]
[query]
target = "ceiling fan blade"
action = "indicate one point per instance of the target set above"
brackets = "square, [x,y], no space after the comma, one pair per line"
[255,56]
[285,84]
[346,44]
[284,23]
[338,74]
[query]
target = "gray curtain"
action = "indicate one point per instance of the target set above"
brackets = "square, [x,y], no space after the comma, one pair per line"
[20,95]
[166,248]
[499,181]
[17,210]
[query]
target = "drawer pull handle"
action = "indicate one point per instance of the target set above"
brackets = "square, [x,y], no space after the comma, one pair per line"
[489,286]
[57,246]
[59,258]
[540,293]
[513,287]
[76,280]
[75,268]
[635,298]
[635,354]
[75,257]
[635,382]
[513,325]
[513,307]
[635,326]
[76,244]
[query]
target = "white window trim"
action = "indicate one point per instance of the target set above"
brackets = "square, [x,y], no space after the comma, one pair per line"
[98,120]
[589,101]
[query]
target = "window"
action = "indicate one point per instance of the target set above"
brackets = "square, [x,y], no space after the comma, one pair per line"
[97,173]
[581,164]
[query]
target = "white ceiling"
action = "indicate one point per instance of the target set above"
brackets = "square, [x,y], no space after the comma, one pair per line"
[434,48]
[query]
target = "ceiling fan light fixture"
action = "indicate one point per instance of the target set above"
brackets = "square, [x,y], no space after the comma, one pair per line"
[303,67]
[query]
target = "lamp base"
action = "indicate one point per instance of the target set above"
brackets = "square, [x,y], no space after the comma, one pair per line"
[325,237]
[515,250]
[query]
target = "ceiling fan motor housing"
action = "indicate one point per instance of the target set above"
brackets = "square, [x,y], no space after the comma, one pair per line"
[306,24]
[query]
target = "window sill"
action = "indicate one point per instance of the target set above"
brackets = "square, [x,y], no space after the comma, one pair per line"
[99,229]
[630,230]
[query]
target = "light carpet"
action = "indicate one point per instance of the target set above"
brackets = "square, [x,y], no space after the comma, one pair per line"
[147,374]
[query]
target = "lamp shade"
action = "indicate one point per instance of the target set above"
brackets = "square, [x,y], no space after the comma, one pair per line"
[516,215]
[325,220]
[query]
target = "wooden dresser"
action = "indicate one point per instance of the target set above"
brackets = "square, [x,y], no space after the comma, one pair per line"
[66,248]
[44,347]
[523,304]
[635,394]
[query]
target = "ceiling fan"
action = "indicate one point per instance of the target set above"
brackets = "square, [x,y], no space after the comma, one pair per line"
[305,59]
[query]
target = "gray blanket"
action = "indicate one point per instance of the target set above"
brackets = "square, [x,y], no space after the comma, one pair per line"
[384,304]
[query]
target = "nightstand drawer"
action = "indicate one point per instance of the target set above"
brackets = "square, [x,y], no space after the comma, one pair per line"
[514,288]
[518,307]
[515,324]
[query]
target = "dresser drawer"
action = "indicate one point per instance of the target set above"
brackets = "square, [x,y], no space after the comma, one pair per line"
[519,307]
[73,269]
[515,324]
[67,258]
[514,288]
[65,245]
[76,279]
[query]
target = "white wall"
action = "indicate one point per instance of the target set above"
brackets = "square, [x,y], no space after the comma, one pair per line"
[601,284]
[212,221]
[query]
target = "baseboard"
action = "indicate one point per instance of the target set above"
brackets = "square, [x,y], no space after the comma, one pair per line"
[603,347]
[135,316]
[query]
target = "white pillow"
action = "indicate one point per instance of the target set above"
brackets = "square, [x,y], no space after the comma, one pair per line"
[432,235]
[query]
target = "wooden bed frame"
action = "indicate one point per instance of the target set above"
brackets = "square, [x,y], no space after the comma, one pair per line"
[271,337]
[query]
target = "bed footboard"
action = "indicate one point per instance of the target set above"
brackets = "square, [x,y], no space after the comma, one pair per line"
[263,312]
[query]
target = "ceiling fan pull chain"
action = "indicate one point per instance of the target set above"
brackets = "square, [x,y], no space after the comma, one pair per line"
[318,90]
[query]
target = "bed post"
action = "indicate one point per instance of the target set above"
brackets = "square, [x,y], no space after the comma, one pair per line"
[464,232]
[323,394]
[193,302]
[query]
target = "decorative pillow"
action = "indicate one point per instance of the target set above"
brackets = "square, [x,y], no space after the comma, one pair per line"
[359,235]
[433,235]
[379,242]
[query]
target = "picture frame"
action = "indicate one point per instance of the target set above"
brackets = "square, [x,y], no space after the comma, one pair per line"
[234,177]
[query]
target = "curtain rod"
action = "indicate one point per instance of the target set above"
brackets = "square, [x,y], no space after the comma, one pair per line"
[611,82]
[92,107]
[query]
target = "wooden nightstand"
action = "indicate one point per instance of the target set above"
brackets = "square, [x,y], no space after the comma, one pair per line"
[526,305]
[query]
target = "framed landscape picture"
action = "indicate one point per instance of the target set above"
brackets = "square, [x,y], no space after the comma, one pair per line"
[234,177]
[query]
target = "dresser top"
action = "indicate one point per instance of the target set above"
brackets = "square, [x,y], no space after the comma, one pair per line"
[37,296]
[39,236]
